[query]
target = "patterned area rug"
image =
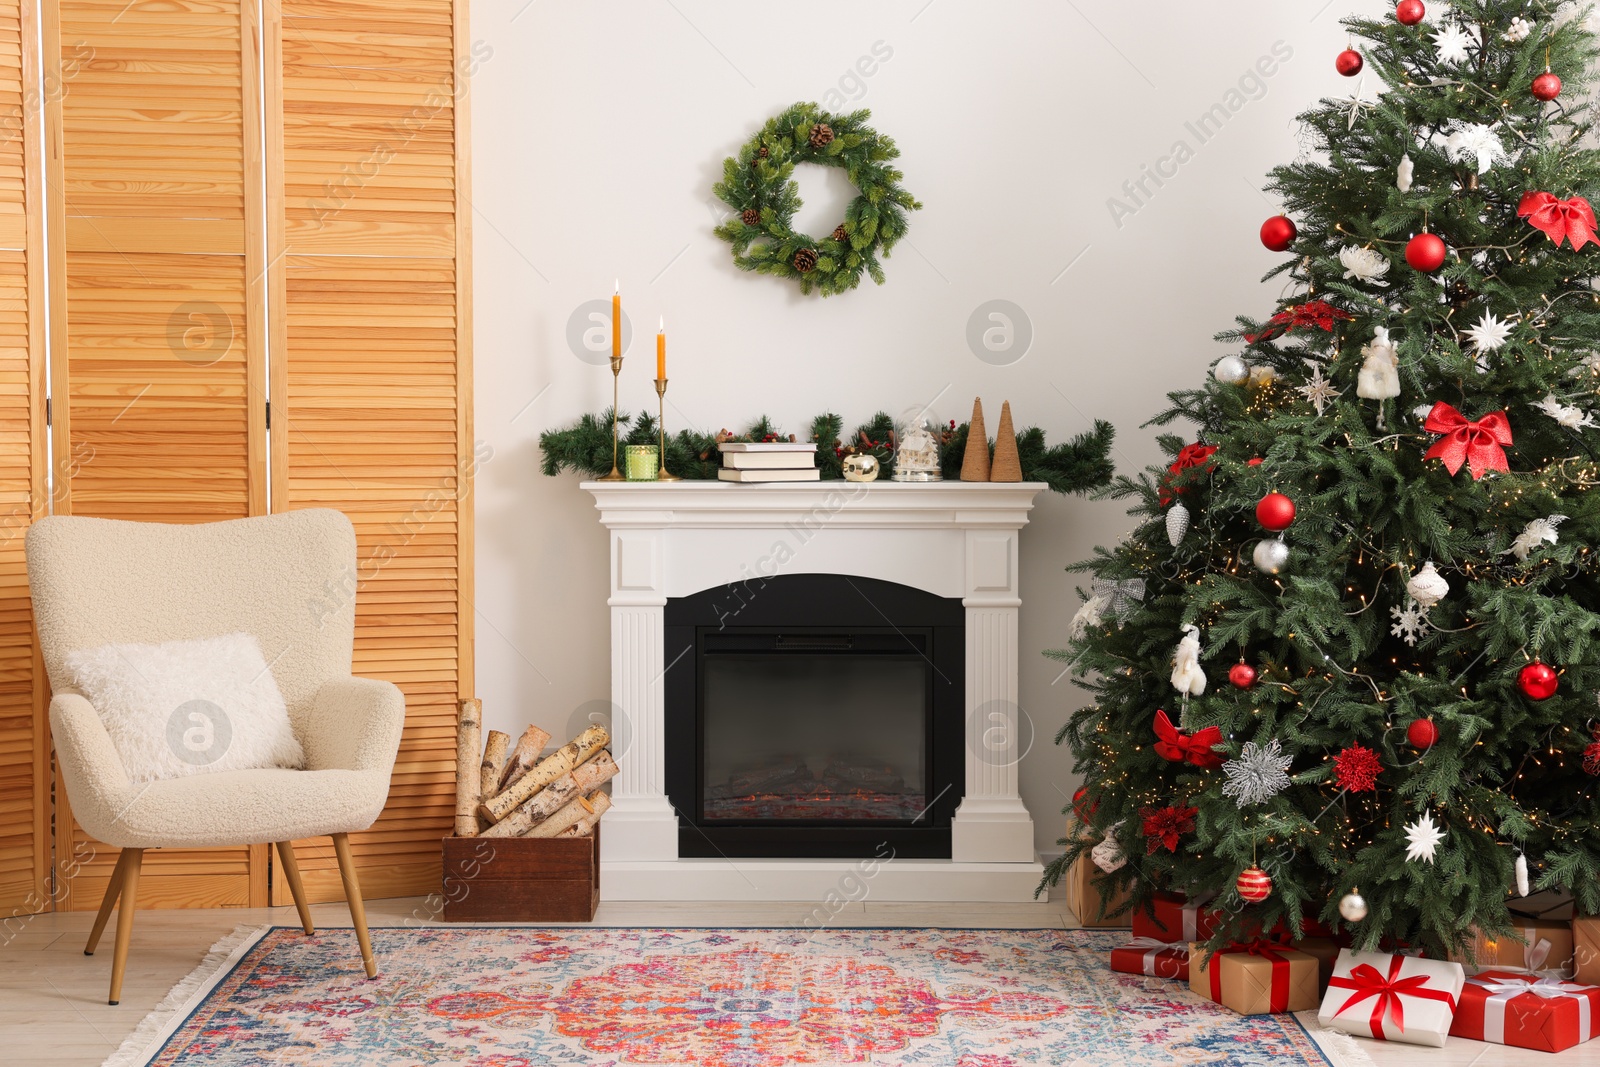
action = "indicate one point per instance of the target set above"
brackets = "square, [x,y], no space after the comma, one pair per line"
[529,997]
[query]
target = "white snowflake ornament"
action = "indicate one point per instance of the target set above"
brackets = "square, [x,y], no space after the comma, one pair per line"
[1489,335]
[1534,534]
[1408,622]
[1187,677]
[1379,378]
[1364,264]
[1453,45]
[1259,774]
[1427,587]
[1569,415]
[1422,838]
[1318,390]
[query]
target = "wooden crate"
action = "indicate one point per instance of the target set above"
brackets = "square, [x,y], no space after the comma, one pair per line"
[521,879]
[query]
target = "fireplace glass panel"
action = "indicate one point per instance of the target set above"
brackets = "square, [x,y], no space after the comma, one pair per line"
[814,737]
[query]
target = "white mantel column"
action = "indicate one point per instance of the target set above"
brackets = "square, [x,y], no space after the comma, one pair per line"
[641,824]
[992,824]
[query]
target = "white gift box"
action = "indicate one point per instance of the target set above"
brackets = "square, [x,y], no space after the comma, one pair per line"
[1392,998]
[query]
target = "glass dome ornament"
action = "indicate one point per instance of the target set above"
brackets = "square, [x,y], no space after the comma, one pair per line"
[916,454]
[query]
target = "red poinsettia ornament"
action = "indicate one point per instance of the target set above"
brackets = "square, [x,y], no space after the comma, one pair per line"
[1356,769]
[1189,458]
[1175,745]
[1571,219]
[1164,826]
[1314,314]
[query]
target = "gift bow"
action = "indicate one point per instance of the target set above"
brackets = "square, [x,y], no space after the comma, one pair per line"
[1572,219]
[1121,598]
[1367,981]
[1480,443]
[1175,745]
[1153,948]
[1503,989]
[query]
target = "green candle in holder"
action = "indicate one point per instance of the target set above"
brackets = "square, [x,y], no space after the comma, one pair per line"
[642,462]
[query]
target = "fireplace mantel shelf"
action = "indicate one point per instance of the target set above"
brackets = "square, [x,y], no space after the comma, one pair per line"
[953,539]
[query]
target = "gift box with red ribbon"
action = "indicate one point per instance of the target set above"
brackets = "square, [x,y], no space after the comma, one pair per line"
[1255,979]
[1392,998]
[1173,917]
[1545,946]
[1153,957]
[1326,950]
[1520,1010]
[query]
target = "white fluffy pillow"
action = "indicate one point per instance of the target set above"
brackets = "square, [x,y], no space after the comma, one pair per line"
[188,707]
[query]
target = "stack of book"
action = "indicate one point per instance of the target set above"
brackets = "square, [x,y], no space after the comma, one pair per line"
[768,461]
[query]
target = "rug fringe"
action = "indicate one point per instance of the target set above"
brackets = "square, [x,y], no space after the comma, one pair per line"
[155,1028]
[1342,1049]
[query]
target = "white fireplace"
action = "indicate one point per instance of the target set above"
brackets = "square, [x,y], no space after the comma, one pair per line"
[952,539]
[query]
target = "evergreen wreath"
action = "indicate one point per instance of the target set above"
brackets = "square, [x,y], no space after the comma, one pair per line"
[758,184]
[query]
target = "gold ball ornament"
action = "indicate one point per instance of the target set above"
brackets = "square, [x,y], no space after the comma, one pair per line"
[1254,884]
[1353,906]
[861,467]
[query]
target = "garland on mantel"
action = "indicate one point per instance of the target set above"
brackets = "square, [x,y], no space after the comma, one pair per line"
[1082,464]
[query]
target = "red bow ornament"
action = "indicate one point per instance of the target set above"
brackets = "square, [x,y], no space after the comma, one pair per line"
[1175,745]
[1367,981]
[1479,443]
[1572,219]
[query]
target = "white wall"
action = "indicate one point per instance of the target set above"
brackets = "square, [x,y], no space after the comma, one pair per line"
[598,130]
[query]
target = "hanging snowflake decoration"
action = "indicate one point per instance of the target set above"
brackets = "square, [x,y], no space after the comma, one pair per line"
[1535,533]
[1518,31]
[1356,768]
[1453,45]
[1358,104]
[1422,838]
[1409,622]
[1569,415]
[1489,335]
[1474,140]
[1318,391]
[1164,826]
[1364,264]
[1258,775]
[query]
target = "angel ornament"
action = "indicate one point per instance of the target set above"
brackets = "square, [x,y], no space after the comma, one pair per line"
[1187,676]
[1379,378]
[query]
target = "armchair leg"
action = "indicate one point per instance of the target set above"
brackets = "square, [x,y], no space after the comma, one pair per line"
[130,899]
[352,894]
[291,874]
[107,902]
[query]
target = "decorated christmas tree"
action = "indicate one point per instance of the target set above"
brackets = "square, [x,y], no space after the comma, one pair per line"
[1346,666]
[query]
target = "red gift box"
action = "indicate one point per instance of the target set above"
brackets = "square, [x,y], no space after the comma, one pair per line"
[1508,1008]
[1172,917]
[1153,957]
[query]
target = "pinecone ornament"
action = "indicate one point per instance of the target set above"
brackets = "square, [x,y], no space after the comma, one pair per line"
[750,216]
[762,153]
[805,260]
[839,234]
[821,135]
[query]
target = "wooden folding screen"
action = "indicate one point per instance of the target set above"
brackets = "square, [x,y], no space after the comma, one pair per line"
[158,311]
[370,243]
[24,747]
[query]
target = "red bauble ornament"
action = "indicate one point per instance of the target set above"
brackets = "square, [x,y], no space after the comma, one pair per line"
[1279,232]
[1425,252]
[1242,675]
[1348,63]
[1546,87]
[1256,462]
[1409,12]
[1422,734]
[1275,512]
[1254,884]
[1538,681]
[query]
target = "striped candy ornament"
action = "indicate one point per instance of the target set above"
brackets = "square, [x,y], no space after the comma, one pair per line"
[1254,884]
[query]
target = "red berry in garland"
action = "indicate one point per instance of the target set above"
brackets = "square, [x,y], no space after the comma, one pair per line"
[1546,87]
[1275,512]
[1254,884]
[1538,681]
[1242,675]
[1279,232]
[1409,12]
[1348,63]
[1422,734]
[1425,252]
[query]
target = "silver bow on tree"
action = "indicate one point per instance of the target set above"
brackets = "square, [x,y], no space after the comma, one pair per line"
[1121,599]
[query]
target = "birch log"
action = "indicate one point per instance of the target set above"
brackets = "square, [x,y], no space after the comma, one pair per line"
[523,757]
[585,826]
[577,810]
[468,779]
[579,750]
[494,761]
[584,778]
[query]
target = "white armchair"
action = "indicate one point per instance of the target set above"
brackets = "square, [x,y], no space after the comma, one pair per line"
[290,580]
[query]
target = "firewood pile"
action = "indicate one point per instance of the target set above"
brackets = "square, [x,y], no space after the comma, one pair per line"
[506,791]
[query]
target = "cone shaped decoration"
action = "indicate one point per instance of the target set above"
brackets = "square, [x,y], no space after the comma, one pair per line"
[1007,466]
[975,462]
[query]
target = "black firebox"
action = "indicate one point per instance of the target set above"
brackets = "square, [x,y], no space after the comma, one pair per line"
[814,715]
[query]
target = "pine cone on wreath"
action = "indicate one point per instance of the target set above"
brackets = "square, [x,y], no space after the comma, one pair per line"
[763,153]
[821,135]
[750,216]
[839,234]
[805,260]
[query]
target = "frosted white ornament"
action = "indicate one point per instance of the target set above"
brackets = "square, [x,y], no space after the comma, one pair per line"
[1107,855]
[1187,677]
[1353,906]
[1088,615]
[1364,264]
[1522,875]
[1177,523]
[1403,173]
[1231,370]
[1569,415]
[1535,533]
[1271,557]
[1379,378]
[1427,587]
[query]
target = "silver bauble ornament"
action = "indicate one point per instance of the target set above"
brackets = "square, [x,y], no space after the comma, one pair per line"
[1271,557]
[1353,906]
[1231,370]
[1177,523]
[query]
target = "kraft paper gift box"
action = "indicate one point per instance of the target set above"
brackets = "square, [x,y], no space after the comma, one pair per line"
[1173,917]
[1326,950]
[1520,1010]
[1255,979]
[1586,950]
[1083,896]
[1153,957]
[1546,945]
[1392,998]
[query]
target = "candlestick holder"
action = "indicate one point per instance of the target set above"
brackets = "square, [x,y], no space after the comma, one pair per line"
[662,474]
[616,373]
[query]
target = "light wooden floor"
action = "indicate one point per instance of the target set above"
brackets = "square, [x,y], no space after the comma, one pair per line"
[52,997]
